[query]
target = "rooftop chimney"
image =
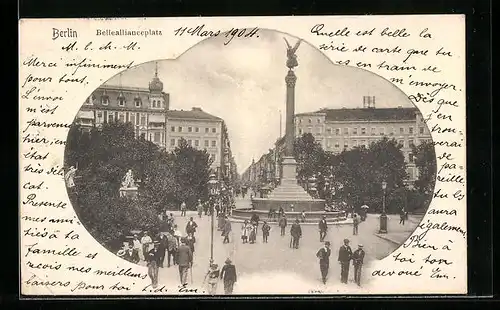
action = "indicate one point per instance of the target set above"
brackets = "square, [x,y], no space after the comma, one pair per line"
[368,102]
[196,109]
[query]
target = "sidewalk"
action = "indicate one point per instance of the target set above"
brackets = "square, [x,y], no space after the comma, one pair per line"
[397,233]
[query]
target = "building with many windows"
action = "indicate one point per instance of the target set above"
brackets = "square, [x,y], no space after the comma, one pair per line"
[148,110]
[342,129]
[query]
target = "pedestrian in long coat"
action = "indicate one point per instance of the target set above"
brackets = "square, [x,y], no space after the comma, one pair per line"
[324,260]
[228,274]
[265,232]
[345,255]
[226,230]
[296,232]
[282,224]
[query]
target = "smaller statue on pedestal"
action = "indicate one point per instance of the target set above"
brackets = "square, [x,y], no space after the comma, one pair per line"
[128,180]
[70,177]
[128,188]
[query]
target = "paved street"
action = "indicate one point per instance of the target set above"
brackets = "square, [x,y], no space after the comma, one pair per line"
[262,267]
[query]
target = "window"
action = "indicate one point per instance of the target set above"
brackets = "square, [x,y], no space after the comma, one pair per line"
[121,117]
[337,131]
[381,131]
[196,142]
[121,102]
[346,131]
[310,121]
[206,130]
[328,143]
[197,129]
[138,103]
[354,142]
[172,142]
[179,142]
[374,131]
[300,131]
[411,143]
[206,143]
[110,117]
[410,158]
[410,130]
[346,145]
[402,142]
[421,130]
[318,130]
[309,129]
[214,130]
[172,129]
[104,100]
[157,137]
[363,142]
[329,130]
[154,103]
[300,121]
[401,130]
[190,129]
[337,144]
[143,120]
[393,132]
[363,131]
[214,143]
[179,129]
[137,119]
[190,142]
[355,131]
[319,121]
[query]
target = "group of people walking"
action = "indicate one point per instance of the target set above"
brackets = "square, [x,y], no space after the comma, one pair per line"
[346,255]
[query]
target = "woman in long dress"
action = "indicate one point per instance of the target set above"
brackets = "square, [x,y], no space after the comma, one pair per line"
[253,232]
[244,232]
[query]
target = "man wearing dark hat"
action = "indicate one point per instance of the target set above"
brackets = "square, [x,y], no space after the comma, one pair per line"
[324,260]
[345,255]
[185,260]
[228,274]
[296,232]
[323,227]
[357,260]
[153,259]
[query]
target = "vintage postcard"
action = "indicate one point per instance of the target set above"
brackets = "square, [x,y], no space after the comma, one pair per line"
[320,155]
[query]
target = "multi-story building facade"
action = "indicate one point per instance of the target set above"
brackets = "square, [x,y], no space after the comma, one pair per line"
[342,129]
[148,110]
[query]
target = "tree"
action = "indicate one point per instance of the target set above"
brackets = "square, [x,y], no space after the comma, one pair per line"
[425,161]
[361,172]
[309,155]
[191,168]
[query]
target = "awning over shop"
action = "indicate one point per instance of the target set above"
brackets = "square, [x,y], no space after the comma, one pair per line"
[85,114]
[156,118]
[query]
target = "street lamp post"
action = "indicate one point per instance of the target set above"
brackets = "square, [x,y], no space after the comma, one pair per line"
[212,187]
[383,216]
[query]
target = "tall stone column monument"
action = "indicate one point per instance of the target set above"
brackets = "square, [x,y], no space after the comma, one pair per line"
[290,195]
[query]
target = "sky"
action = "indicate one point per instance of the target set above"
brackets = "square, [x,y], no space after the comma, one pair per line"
[244,84]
